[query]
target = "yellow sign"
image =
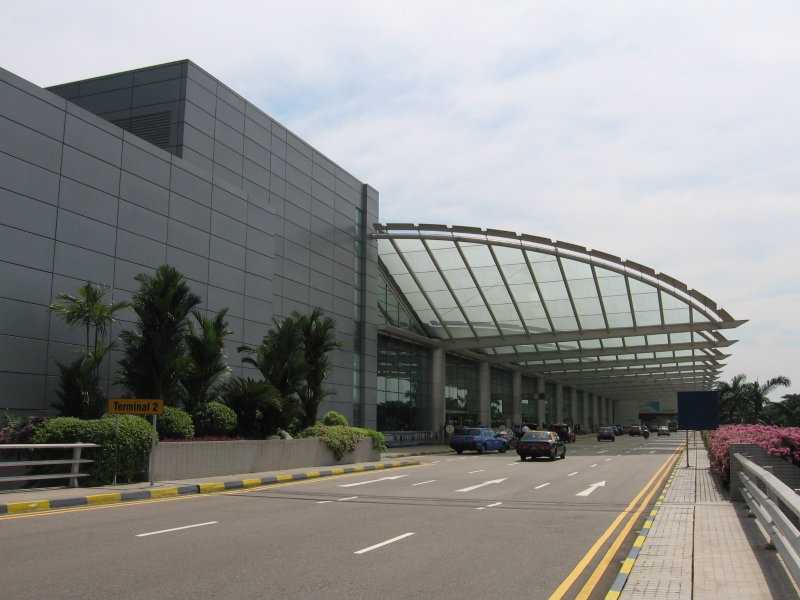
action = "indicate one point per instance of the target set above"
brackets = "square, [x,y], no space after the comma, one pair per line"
[135,406]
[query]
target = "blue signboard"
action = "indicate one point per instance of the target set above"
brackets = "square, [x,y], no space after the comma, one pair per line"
[698,410]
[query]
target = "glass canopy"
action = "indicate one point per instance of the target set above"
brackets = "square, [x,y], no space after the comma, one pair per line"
[556,310]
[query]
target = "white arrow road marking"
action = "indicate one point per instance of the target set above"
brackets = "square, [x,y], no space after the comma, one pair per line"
[370,481]
[475,487]
[541,486]
[176,529]
[594,465]
[489,506]
[423,482]
[591,488]
[386,543]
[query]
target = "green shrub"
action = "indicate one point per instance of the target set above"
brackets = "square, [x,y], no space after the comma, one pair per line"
[342,439]
[174,424]
[334,418]
[214,419]
[125,454]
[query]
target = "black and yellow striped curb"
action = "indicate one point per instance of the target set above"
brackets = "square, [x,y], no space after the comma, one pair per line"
[193,488]
[627,564]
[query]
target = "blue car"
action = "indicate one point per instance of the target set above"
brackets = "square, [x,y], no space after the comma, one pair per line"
[480,439]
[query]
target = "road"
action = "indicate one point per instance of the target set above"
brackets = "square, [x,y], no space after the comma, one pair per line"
[469,525]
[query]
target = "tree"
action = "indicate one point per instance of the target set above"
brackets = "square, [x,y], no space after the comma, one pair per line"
[155,357]
[732,400]
[256,404]
[205,345]
[317,340]
[743,402]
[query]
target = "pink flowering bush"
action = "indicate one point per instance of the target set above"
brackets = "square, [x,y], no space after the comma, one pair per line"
[783,442]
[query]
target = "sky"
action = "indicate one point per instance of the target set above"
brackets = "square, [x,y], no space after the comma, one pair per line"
[665,133]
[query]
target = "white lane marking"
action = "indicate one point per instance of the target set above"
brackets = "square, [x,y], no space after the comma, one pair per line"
[475,487]
[370,481]
[591,488]
[608,459]
[652,451]
[424,482]
[573,473]
[478,471]
[386,543]
[512,464]
[489,506]
[176,529]
[594,465]
[324,501]
[541,486]
[346,499]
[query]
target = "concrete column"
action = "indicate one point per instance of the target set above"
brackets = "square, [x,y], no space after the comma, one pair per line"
[540,402]
[559,412]
[485,388]
[516,397]
[437,389]
[573,404]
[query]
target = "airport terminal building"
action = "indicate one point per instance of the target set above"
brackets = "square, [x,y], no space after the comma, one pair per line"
[109,177]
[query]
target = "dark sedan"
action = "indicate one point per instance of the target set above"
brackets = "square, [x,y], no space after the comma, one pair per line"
[541,443]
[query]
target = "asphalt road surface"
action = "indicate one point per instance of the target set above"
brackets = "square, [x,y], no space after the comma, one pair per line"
[468,526]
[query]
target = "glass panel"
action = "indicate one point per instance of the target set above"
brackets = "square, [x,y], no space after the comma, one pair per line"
[477,255]
[575,269]
[459,278]
[583,288]
[674,316]
[488,276]
[517,274]
[612,285]
[620,320]
[547,271]
[469,297]
[565,324]
[497,295]
[449,258]
[531,310]
[670,301]
[538,325]
[431,281]
[420,262]
[588,306]
[590,344]
[617,304]
[560,309]
[592,322]
[648,318]
[554,290]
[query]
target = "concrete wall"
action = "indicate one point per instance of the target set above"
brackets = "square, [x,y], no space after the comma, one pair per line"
[184,460]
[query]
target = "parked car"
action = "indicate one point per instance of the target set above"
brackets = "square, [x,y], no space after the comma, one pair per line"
[634,430]
[564,431]
[480,439]
[541,443]
[663,430]
[606,433]
[510,436]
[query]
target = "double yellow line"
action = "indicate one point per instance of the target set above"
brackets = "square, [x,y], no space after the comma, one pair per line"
[643,499]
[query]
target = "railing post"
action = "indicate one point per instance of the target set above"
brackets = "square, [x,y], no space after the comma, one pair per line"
[76,466]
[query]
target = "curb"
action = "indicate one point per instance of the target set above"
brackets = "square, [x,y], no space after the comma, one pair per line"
[13,508]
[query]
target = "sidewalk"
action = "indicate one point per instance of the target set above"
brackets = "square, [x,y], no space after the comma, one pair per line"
[694,545]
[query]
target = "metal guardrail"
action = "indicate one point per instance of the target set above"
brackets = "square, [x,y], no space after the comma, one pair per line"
[409,438]
[76,461]
[777,508]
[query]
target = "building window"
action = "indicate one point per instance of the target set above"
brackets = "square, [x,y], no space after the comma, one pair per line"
[501,394]
[461,392]
[404,382]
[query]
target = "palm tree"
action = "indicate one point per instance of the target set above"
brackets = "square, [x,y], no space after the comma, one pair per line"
[757,395]
[741,401]
[205,344]
[256,404]
[318,340]
[155,356]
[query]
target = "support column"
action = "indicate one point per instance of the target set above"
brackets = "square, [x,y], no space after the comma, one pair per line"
[573,404]
[516,397]
[588,418]
[540,401]
[485,388]
[437,391]
[559,412]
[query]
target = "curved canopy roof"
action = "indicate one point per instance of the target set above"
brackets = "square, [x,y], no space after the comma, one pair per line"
[584,318]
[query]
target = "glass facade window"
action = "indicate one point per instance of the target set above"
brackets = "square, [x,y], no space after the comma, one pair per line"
[390,310]
[461,393]
[404,384]
[501,397]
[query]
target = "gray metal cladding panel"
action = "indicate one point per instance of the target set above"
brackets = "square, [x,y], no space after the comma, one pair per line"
[197,141]
[229,136]
[23,319]
[145,94]
[146,165]
[106,83]
[192,266]
[258,264]
[191,186]
[104,102]
[189,212]
[225,227]
[200,96]
[144,193]
[85,200]
[224,176]
[91,171]
[27,179]
[160,72]
[343,255]
[256,173]
[23,354]
[226,94]
[322,300]
[253,334]
[322,197]
[197,159]
[297,292]
[29,145]
[25,284]
[82,264]
[229,204]
[257,141]
[140,250]
[258,218]
[344,273]
[27,214]
[297,253]
[26,249]
[261,242]
[299,179]
[277,186]
[125,274]
[257,310]
[321,260]
[255,287]
[87,233]
[141,221]
[232,117]
[25,109]
[225,277]
[227,253]
[92,140]
[256,114]
[298,197]
[61,331]
[299,156]
[199,119]
[343,290]
[228,158]
[188,238]
[66,353]
[320,282]
[22,391]
[297,218]
[322,234]
[219,298]
[323,177]
[278,144]
[200,76]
